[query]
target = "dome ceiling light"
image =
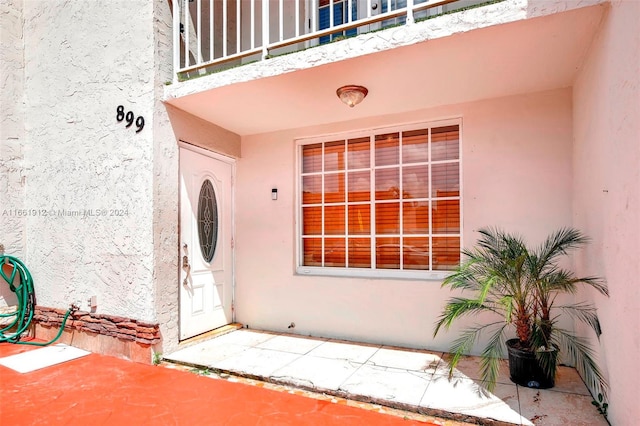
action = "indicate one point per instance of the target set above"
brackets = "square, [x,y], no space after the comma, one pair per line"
[351,94]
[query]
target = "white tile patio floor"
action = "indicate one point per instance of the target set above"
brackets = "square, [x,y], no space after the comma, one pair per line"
[411,380]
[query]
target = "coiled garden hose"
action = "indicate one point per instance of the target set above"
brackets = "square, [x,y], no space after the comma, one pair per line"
[25,295]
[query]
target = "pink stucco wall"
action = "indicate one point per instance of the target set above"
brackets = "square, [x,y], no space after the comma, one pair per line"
[606,114]
[516,174]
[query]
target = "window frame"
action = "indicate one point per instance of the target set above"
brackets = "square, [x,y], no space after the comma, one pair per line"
[300,269]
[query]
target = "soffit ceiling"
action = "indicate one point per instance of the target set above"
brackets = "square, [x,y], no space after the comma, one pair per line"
[520,57]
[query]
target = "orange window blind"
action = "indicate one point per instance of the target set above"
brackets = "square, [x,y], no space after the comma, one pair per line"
[388,201]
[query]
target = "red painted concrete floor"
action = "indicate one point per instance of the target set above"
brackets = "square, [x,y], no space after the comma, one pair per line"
[101,390]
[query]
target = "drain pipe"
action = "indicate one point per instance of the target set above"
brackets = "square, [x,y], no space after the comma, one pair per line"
[20,282]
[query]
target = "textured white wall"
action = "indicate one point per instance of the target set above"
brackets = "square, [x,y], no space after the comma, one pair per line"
[607,195]
[82,59]
[516,174]
[165,187]
[11,127]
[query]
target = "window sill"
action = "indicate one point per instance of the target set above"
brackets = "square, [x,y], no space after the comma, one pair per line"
[372,273]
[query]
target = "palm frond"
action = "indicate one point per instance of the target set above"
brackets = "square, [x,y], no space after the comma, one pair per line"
[559,243]
[584,312]
[597,283]
[561,280]
[558,280]
[580,353]
[492,354]
[458,307]
[463,344]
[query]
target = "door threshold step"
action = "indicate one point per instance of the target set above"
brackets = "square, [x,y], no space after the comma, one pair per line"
[211,334]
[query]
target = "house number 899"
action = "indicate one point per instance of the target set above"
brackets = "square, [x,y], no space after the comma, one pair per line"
[128,117]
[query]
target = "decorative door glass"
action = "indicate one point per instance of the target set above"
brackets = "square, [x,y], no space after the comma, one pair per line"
[207,220]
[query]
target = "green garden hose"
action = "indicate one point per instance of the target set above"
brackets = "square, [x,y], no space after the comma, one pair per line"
[26,303]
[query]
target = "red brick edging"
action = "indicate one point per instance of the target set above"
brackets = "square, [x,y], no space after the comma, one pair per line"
[108,325]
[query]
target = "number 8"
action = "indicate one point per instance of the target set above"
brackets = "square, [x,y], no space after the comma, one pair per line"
[120,113]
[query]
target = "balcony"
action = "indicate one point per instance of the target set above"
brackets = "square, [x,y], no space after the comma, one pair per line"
[411,55]
[212,35]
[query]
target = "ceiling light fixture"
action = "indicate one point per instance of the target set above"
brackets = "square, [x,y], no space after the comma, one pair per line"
[351,94]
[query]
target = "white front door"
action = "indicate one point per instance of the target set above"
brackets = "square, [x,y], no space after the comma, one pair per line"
[206,258]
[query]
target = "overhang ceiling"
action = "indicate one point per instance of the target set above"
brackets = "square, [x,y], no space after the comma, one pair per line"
[520,57]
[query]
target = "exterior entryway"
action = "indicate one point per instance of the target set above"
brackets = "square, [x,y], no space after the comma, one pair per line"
[206,241]
[409,379]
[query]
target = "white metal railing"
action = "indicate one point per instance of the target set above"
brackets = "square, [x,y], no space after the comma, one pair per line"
[211,32]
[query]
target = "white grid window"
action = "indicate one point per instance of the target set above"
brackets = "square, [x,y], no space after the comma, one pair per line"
[388,201]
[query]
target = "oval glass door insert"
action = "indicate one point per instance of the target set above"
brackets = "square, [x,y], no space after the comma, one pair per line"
[207,220]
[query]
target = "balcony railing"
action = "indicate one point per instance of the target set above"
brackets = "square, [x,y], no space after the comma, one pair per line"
[213,33]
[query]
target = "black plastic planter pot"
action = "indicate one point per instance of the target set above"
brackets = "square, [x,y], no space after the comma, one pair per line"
[524,369]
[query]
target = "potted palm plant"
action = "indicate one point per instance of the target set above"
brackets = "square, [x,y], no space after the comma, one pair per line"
[518,288]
